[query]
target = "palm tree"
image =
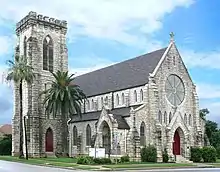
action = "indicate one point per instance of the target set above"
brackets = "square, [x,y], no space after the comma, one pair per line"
[19,71]
[63,97]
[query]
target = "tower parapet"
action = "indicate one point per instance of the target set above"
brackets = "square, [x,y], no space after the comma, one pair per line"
[33,18]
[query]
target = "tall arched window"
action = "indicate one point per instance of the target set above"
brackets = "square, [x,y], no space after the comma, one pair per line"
[170,117]
[75,135]
[117,100]
[142,134]
[185,119]
[160,117]
[135,96]
[88,105]
[102,102]
[174,61]
[141,95]
[92,104]
[165,117]
[122,98]
[88,135]
[106,100]
[190,119]
[25,46]
[48,54]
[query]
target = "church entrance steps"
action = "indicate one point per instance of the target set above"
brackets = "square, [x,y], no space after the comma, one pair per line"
[181,159]
[50,154]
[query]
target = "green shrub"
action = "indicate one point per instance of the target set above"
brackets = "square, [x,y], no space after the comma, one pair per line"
[85,160]
[102,160]
[6,145]
[125,159]
[149,154]
[209,154]
[218,151]
[165,156]
[196,154]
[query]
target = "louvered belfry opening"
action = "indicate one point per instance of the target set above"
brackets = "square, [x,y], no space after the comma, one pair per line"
[48,54]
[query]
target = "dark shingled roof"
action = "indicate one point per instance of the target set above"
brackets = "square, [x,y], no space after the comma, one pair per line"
[119,114]
[127,74]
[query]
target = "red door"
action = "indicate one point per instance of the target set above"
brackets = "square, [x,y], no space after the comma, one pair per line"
[49,140]
[176,144]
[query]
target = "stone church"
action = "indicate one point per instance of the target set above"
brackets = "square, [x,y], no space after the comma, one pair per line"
[147,100]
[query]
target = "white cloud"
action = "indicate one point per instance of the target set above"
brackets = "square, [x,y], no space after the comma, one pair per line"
[112,20]
[208,91]
[6,43]
[193,59]
[88,64]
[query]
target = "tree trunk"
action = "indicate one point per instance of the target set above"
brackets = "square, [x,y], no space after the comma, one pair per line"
[65,150]
[21,153]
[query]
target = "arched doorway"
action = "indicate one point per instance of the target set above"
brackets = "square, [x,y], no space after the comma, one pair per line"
[106,137]
[176,143]
[49,140]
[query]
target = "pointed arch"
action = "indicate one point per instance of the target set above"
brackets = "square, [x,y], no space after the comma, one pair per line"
[48,53]
[49,140]
[165,117]
[75,135]
[88,135]
[135,96]
[122,98]
[25,46]
[88,105]
[141,95]
[117,100]
[142,134]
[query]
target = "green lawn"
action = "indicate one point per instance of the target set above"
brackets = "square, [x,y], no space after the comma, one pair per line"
[71,163]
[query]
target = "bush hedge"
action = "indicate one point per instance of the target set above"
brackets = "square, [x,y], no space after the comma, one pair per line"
[149,154]
[209,154]
[165,156]
[86,160]
[218,151]
[125,159]
[196,154]
[6,145]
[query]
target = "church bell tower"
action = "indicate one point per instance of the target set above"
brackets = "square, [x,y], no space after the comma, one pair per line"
[42,40]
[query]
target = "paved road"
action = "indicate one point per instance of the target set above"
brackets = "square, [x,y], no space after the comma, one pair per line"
[182,170]
[6,166]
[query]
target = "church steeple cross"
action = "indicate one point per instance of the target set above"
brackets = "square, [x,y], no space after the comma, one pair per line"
[172,36]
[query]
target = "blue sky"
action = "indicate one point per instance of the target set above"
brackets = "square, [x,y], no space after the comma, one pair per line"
[105,32]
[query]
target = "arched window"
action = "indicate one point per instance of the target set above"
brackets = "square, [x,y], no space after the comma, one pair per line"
[48,54]
[88,135]
[185,119]
[165,117]
[88,105]
[106,100]
[135,96]
[122,98]
[141,95]
[174,61]
[75,135]
[25,46]
[170,117]
[92,104]
[142,134]
[102,102]
[190,119]
[117,100]
[160,117]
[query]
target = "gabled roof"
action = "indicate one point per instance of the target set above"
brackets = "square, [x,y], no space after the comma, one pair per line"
[130,73]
